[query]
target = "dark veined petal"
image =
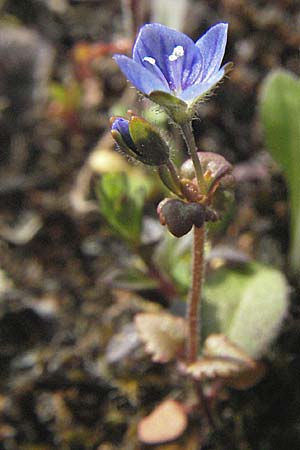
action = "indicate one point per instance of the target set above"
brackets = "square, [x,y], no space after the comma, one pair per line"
[155,48]
[212,48]
[199,89]
[139,76]
[122,126]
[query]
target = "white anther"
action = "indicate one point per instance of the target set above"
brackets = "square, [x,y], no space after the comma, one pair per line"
[178,52]
[150,60]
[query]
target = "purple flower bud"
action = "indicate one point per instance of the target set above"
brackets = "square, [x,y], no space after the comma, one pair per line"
[140,140]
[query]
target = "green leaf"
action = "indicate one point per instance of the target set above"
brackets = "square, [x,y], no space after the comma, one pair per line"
[247,306]
[132,279]
[280,113]
[121,205]
[173,256]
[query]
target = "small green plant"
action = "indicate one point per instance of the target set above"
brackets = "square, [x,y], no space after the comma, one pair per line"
[231,320]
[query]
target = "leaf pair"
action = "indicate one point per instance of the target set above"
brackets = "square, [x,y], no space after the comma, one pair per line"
[164,337]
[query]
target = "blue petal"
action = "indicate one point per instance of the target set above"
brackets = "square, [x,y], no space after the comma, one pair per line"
[212,48]
[122,126]
[158,42]
[139,76]
[199,89]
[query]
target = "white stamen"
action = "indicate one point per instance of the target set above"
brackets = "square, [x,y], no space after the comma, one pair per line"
[178,52]
[150,60]
[155,69]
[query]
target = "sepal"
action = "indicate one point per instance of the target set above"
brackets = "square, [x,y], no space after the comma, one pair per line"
[170,181]
[175,108]
[151,148]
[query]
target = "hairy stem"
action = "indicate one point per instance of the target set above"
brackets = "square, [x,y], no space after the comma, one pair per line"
[194,318]
[191,145]
[193,310]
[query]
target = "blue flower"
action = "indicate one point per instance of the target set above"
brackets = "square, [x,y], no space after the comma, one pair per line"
[168,61]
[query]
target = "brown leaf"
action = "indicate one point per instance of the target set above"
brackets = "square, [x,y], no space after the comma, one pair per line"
[162,334]
[166,423]
[211,368]
[220,345]
[226,361]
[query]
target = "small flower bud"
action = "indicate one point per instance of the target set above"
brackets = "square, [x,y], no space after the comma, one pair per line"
[140,140]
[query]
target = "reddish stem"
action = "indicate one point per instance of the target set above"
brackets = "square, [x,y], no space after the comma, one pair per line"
[193,311]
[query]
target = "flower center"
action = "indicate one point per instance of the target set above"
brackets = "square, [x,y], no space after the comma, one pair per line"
[172,77]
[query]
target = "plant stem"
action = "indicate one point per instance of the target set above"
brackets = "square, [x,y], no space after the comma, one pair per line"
[193,310]
[192,148]
[194,318]
[203,402]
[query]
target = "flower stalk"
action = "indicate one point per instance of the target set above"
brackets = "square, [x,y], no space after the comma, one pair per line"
[191,145]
